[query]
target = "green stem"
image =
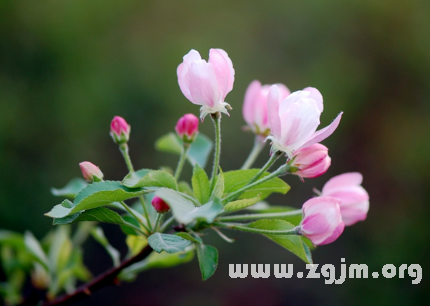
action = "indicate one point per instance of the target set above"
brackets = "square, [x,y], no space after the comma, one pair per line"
[181,161]
[134,216]
[263,216]
[124,150]
[157,221]
[240,227]
[258,146]
[123,147]
[216,118]
[274,157]
[281,170]
[166,224]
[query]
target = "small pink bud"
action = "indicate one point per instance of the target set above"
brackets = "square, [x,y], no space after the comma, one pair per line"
[91,172]
[119,130]
[354,199]
[187,127]
[322,222]
[311,161]
[159,205]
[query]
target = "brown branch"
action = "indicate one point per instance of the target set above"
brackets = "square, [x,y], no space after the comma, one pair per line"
[105,279]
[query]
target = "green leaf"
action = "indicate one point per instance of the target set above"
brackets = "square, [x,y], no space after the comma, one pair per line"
[294,219]
[101,214]
[184,210]
[135,244]
[241,204]
[95,195]
[197,154]
[200,182]
[11,238]
[150,178]
[293,243]
[128,230]
[33,246]
[156,260]
[61,249]
[169,243]
[100,237]
[188,237]
[234,180]
[73,187]
[219,186]
[208,259]
[184,187]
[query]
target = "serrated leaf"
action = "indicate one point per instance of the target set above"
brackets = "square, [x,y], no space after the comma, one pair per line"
[33,246]
[150,178]
[188,237]
[241,204]
[293,243]
[168,243]
[101,214]
[100,237]
[219,186]
[96,195]
[234,180]
[60,210]
[200,183]
[73,187]
[198,152]
[208,259]
[185,212]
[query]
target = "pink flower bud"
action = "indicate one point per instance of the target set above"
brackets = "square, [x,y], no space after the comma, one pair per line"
[91,172]
[311,161]
[187,127]
[322,222]
[354,200]
[207,83]
[159,205]
[119,130]
[255,106]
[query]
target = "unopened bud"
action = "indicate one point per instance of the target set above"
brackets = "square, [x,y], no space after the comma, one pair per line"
[187,127]
[119,130]
[159,205]
[311,161]
[91,172]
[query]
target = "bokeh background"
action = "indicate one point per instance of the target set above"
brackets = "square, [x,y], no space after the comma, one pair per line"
[67,67]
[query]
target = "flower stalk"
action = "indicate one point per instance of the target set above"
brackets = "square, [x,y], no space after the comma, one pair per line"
[216,118]
[256,149]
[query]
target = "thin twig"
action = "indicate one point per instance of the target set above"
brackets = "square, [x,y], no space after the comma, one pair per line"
[105,279]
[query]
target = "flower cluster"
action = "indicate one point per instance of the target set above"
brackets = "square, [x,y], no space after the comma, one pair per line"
[170,214]
[289,121]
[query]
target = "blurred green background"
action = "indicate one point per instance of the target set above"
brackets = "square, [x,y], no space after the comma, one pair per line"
[67,67]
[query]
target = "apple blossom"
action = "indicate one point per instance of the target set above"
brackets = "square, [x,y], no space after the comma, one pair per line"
[294,120]
[322,222]
[207,83]
[311,161]
[255,106]
[354,200]
[91,172]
